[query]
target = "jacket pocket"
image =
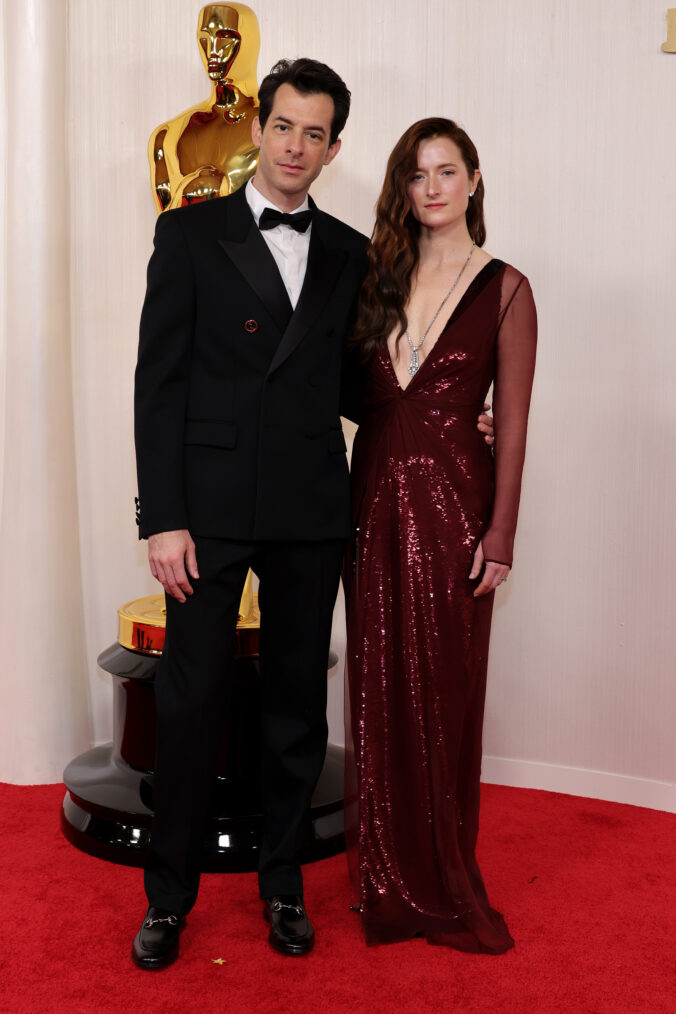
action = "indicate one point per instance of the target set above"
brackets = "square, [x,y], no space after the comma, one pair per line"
[210,433]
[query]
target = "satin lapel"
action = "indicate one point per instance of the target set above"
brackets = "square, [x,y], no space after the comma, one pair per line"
[251,255]
[323,270]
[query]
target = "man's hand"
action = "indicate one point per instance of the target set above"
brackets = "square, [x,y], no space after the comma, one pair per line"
[485,425]
[169,554]
[494,573]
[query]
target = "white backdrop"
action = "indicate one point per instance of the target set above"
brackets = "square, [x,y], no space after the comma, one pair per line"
[571,105]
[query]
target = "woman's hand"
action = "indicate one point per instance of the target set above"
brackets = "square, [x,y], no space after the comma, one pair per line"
[494,574]
[485,425]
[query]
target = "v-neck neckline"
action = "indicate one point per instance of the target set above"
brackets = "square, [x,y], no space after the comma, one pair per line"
[472,291]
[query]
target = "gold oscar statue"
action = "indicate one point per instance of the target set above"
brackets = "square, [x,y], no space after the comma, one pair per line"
[207,151]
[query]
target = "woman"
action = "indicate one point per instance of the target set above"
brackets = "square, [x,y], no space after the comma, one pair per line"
[435,515]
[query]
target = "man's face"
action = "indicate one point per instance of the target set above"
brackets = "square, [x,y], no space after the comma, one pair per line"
[294,145]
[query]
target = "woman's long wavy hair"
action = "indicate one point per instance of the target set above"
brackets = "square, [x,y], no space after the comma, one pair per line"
[393,253]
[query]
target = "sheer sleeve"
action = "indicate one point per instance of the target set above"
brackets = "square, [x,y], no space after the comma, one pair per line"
[516,342]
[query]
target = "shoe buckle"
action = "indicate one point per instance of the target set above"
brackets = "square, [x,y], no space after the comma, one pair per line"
[278,905]
[171,919]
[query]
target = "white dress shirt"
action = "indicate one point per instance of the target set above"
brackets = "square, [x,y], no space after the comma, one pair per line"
[288,247]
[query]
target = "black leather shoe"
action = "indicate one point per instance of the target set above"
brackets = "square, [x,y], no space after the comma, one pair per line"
[156,943]
[291,931]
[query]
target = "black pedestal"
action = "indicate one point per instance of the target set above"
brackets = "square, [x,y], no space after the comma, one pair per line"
[108,807]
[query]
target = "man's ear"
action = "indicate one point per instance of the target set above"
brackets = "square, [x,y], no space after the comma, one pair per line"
[256,131]
[332,151]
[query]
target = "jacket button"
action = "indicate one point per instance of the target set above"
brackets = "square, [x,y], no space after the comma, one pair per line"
[251,326]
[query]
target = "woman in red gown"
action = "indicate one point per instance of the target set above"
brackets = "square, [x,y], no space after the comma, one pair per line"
[434,516]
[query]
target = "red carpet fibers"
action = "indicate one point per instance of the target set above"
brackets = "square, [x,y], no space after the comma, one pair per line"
[588,889]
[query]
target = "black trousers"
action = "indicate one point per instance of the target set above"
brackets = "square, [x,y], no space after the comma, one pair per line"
[298,586]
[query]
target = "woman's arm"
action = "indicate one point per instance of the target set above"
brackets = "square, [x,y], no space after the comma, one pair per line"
[517,336]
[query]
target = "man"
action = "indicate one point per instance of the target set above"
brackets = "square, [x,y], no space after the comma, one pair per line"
[241,463]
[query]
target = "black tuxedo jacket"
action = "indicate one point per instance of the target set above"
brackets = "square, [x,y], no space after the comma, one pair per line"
[237,400]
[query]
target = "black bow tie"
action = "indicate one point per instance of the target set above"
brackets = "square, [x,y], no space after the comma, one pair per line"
[298,221]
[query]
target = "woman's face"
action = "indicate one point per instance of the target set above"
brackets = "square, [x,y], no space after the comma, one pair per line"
[439,188]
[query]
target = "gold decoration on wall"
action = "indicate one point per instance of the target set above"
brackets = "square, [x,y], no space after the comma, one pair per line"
[207,151]
[670,45]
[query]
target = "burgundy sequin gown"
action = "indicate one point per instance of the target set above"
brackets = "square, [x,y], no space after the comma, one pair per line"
[425,490]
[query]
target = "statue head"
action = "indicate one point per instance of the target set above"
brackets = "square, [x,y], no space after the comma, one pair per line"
[225,33]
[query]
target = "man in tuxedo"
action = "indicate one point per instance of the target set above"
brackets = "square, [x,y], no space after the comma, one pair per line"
[241,463]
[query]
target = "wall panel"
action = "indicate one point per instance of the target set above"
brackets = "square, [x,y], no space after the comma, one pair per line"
[571,106]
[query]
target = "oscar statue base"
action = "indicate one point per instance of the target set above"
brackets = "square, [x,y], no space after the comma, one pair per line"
[104,814]
[108,806]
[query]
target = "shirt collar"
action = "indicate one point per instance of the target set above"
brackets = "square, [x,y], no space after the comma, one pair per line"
[257,202]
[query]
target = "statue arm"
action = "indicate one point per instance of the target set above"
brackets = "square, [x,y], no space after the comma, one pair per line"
[159,172]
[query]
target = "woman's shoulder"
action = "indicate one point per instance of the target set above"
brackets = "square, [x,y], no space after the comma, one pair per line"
[510,272]
[512,277]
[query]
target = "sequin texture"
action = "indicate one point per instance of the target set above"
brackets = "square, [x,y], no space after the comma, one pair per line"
[425,491]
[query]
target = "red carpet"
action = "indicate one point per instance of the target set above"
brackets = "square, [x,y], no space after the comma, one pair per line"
[588,889]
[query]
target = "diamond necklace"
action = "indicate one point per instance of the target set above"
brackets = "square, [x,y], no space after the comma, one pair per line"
[414,365]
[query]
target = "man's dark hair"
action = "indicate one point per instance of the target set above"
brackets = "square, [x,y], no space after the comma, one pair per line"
[310,78]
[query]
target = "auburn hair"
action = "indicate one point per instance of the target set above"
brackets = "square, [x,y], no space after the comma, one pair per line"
[394,253]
